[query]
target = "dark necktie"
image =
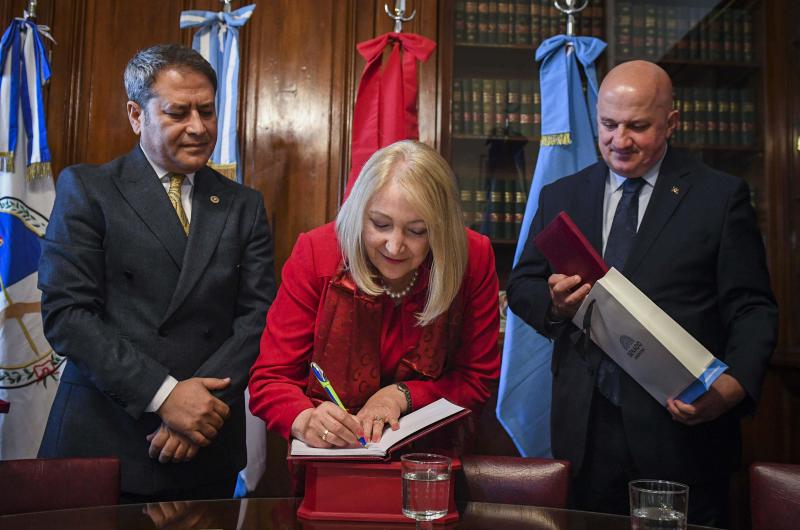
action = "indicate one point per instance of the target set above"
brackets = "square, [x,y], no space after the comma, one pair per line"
[618,247]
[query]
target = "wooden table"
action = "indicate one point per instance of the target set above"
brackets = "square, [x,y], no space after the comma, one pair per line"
[267,514]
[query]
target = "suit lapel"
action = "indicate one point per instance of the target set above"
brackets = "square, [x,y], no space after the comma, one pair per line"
[672,185]
[140,187]
[589,206]
[211,202]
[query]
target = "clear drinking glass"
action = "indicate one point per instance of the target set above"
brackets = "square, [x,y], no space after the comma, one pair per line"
[658,504]
[426,487]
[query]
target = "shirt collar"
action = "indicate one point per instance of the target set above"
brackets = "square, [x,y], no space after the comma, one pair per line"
[162,173]
[650,177]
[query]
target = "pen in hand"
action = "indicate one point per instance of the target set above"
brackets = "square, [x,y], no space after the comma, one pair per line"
[323,381]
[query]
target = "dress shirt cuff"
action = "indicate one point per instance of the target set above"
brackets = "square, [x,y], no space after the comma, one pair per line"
[162,394]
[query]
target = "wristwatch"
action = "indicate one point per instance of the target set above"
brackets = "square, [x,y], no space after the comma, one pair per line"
[402,387]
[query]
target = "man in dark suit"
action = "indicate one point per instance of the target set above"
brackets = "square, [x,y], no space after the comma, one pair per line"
[156,274]
[686,236]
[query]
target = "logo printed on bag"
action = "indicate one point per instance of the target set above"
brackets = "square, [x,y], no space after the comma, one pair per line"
[632,347]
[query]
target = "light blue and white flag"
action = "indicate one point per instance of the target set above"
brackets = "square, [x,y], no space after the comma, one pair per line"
[29,369]
[217,41]
[569,132]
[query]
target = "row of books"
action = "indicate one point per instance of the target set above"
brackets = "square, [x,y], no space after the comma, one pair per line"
[493,206]
[716,116]
[521,22]
[496,107]
[654,31]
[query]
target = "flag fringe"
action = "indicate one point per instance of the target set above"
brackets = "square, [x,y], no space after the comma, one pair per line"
[38,170]
[228,170]
[556,139]
[6,162]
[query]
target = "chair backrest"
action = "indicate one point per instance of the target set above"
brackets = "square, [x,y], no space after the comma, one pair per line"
[513,480]
[775,496]
[42,484]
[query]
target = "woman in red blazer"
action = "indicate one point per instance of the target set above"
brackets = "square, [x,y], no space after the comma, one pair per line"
[396,301]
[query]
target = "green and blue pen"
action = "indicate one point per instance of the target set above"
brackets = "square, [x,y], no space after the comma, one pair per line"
[320,375]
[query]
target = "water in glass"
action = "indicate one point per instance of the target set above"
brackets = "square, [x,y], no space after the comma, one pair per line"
[652,518]
[425,494]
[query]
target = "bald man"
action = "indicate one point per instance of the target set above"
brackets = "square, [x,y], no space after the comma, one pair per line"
[692,245]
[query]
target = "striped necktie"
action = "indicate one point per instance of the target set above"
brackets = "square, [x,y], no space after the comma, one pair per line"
[174,193]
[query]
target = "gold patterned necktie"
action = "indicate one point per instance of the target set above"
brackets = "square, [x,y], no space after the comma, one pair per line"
[174,193]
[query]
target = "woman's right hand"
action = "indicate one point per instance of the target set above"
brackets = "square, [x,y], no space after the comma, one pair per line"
[327,426]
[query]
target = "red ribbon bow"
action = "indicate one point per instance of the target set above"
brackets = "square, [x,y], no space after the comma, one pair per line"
[386,104]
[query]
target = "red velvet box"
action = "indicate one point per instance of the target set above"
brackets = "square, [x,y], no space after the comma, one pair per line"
[360,491]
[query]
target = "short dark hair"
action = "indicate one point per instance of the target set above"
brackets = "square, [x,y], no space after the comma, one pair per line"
[142,69]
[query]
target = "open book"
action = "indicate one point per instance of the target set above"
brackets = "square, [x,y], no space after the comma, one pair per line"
[412,427]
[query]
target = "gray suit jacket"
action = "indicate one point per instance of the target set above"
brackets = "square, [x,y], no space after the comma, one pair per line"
[128,299]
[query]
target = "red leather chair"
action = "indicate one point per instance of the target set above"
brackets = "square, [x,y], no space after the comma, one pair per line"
[42,484]
[775,496]
[513,480]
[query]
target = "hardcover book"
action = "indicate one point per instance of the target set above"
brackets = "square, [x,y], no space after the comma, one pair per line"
[568,250]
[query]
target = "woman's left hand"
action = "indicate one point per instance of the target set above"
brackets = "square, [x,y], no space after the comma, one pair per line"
[385,406]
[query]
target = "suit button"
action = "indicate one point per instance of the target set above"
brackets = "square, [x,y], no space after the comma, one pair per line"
[128,274]
[162,333]
[207,334]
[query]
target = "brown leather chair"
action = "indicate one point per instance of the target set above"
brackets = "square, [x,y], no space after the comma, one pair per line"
[775,496]
[513,480]
[42,484]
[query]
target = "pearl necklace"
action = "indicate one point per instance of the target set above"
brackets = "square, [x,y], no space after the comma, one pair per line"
[407,289]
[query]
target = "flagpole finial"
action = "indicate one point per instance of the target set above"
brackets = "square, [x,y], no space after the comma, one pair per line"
[30,12]
[399,15]
[569,8]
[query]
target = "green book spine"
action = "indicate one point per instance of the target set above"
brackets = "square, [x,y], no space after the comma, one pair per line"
[504,8]
[687,116]
[705,50]
[534,13]
[738,35]
[500,107]
[684,28]
[483,22]
[727,35]
[522,22]
[526,108]
[492,27]
[598,19]
[519,211]
[508,210]
[650,32]
[537,110]
[677,103]
[488,107]
[624,27]
[513,108]
[748,117]
[477,107]
[723,116]
[457,107]
[715,37]
[637,31]
[735,114]
[712,117]
[497,208]
[467,195]
[471,21]
[672,37]
[460,22]
[480,221]
[468,111]
[747,36]
[696,14]
[661,32]
[699,115]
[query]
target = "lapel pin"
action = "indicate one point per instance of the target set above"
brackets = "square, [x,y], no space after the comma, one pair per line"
[675,189]
[215,200]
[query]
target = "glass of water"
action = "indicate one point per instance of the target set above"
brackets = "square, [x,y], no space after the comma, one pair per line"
[426,487]
[658,504]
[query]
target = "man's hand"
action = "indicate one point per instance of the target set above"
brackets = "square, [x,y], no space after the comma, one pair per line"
[170,447]
[724,394]
[326,426]
[567,294]
[387,404]
[191,410]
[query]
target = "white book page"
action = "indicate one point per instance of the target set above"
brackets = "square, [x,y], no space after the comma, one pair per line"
[409,424]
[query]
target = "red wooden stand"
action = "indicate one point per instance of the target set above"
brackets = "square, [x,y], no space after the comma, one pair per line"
[360,491]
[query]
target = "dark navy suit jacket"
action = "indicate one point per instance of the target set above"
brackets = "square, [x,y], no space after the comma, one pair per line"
[128,299]
[699,256]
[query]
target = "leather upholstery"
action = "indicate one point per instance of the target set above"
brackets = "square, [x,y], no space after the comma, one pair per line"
[42,484]
[775,496]
[513,480]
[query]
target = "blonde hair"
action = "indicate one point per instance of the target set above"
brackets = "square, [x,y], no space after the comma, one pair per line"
[431,187]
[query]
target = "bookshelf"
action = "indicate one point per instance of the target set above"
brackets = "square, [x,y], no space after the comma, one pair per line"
[491,109]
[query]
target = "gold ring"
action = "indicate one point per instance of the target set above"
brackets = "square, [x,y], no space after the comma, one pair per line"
[325,435]
[378,419]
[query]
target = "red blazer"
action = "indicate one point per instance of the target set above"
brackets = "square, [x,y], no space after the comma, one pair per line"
[279,376]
